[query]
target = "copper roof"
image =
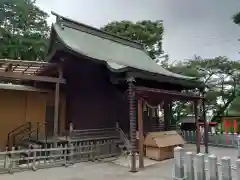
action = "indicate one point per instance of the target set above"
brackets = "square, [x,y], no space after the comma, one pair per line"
[23,67]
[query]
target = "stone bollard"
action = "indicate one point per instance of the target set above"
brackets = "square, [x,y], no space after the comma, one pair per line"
[178,163]
[238,167]
[199,167]
[189,166]
[238,146]
[235,140]
[226,168]
[213,167]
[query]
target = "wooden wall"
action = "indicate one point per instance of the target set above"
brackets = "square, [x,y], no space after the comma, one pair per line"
[92,101]
[18,107]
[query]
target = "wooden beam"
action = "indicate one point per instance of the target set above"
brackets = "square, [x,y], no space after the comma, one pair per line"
[22,62]
[173,94]
[206,125]
[179,82]
[12,75]
[56,106]
[141,137]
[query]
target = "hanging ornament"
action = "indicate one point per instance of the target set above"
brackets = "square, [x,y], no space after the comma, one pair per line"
[148,110]
[144,107]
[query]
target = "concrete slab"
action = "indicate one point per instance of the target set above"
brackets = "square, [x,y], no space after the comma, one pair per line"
[126,161]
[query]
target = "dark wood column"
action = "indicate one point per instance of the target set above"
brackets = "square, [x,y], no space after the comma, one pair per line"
[170,113]
[205,123]
[132,119]
[197,125]
[56,105]
[141,137]
[166,108]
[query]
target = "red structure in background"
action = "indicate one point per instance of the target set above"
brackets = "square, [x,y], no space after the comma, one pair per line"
[209,123]
[227,124]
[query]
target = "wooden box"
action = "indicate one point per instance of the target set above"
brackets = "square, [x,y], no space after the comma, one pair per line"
[160,145]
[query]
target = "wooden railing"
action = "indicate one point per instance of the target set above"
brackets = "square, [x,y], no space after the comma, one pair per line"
[106,133]
[124,139]
[47,157]
[29,134]
[20,129]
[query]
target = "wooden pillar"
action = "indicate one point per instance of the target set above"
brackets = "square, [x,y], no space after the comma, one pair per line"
[197,125]
[205,124]
[166,108]
[56,106]
[171,113]
[141,137]
[132,119]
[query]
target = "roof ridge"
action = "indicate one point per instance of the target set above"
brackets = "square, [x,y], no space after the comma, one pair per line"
[97,32]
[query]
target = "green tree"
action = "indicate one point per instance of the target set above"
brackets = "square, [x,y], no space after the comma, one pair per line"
[222,77]
[220,74]
[146,32]
[23,30]
[236,18]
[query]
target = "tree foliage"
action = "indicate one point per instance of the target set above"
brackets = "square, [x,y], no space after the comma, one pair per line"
[222,77]
[146,32]
[236,18]
[23,30]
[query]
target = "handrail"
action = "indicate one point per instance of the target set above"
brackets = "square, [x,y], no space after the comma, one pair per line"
[36,129]
[28,124]
[17,134]
[125,139]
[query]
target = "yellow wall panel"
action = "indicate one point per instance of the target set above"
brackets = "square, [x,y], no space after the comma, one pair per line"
[19,107]
[12,112]
[35,109]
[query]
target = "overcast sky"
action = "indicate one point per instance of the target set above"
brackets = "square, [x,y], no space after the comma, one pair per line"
[201,27]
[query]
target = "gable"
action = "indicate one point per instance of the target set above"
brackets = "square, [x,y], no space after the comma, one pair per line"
[116,52]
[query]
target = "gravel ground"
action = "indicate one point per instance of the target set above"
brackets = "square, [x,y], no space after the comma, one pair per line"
[110,171]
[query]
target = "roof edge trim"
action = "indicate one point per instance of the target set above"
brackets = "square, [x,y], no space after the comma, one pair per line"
[98,32]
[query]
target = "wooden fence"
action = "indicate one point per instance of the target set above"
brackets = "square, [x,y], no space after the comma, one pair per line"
[188,166]
[32,159]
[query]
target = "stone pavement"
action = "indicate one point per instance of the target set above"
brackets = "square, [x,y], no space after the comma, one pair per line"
[110,171]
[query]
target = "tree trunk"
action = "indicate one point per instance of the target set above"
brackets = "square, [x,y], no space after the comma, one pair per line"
[221,110]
